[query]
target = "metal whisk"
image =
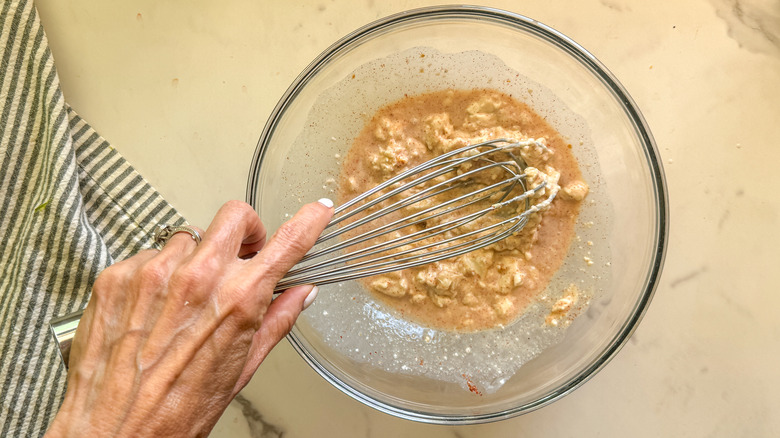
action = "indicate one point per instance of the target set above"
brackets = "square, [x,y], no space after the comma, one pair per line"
[351,250]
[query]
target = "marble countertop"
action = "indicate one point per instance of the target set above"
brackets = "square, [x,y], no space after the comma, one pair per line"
[183,90]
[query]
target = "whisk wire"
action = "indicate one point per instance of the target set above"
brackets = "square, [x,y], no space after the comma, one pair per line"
[417,197]
[352,272]
[398,242]
[441,160]
[363,254]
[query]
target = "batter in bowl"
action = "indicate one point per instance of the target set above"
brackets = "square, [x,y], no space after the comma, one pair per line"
[488,287]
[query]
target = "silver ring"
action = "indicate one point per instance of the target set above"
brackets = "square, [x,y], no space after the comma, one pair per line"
[165,232]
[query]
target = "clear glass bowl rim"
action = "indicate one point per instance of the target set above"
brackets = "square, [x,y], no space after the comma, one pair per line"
[599,70]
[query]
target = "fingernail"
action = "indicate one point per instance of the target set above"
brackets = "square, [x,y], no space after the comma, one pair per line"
[326,202]
[310,298]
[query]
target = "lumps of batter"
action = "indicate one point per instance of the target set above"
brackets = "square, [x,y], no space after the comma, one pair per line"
[560,310]
[488,287]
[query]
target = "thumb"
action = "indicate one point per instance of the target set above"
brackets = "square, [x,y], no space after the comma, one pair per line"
[277,323]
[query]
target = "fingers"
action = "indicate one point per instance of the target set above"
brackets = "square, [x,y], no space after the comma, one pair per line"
[180,245]
[236,231]
[285,248]
[291,242]
[277,323]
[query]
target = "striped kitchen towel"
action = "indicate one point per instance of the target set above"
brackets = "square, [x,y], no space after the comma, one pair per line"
[69,206]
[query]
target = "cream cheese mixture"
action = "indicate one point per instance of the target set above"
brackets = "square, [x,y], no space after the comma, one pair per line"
[492,286]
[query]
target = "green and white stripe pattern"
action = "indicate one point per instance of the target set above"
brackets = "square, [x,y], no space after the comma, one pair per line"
[69,206]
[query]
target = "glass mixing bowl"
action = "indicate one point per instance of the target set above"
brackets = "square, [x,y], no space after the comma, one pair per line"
[313,125]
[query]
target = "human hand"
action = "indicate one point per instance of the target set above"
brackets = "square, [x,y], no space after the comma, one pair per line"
[170,337]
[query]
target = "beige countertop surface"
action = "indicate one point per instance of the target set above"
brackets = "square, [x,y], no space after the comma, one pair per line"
[183,88]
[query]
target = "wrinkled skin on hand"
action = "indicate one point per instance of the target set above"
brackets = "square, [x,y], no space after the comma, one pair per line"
[170,337]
